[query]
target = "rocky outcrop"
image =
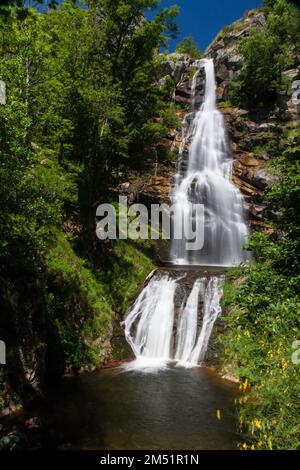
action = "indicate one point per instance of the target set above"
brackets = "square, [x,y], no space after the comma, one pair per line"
[173,65]
[225,50]
[154,189]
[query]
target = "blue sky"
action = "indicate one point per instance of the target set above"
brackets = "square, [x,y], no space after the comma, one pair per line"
[203,19]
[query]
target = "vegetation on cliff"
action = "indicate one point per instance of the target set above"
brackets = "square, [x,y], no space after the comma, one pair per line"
[189,46]
[262,300]
[267,52]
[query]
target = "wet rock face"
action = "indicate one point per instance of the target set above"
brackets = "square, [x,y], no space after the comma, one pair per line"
[183,92]
[250,172]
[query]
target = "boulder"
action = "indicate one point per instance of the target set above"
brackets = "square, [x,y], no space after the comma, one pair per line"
[184,89]
[241,112]
[256,210]
[33,423]
[178,57]
[235,62]
[249,160]
[262,178]
[222,72]
[174,66]
[267,126]
[14,440]
[166,68]
[236,35]
[292,73]
[222,91]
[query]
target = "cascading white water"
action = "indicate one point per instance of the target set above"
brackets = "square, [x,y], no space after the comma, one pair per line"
[207,181]
[187,328]
[150,326]
[212,310]
[154,310]
[156,329]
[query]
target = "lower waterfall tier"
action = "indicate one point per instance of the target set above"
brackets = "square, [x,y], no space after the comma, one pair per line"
[168,323]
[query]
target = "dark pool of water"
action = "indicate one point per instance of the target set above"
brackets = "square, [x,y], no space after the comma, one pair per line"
[171,409]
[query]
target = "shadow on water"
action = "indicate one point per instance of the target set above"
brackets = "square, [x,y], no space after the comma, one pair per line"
[171,409]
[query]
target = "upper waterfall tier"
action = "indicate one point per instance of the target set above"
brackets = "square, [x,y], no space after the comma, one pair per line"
[207,181]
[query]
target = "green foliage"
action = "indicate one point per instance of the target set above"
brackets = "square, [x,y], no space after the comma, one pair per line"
[284,195]
[262,322]
[267,51]
[262,303]
[262,300]
[130,266]
[224,104]
[260,81]
[7,395]
[77,304]
[83,107]
[189,46]
[268,5]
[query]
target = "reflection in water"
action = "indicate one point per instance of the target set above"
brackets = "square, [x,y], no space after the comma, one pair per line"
[170,409]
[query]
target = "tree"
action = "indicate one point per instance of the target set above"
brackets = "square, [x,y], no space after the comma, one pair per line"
[83,106]
[189,46]
[267,52]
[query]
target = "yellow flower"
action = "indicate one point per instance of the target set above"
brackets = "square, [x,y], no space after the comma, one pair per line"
[218,415]
[245,447]
[257,423]
[245,385]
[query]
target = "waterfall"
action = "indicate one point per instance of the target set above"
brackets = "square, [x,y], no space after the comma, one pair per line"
[156,327]
[207,181]
[212,309]
[154,310]
[187,328]
[159,333]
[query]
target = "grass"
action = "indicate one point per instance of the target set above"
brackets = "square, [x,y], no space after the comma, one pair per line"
[131,265]
[78,307]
